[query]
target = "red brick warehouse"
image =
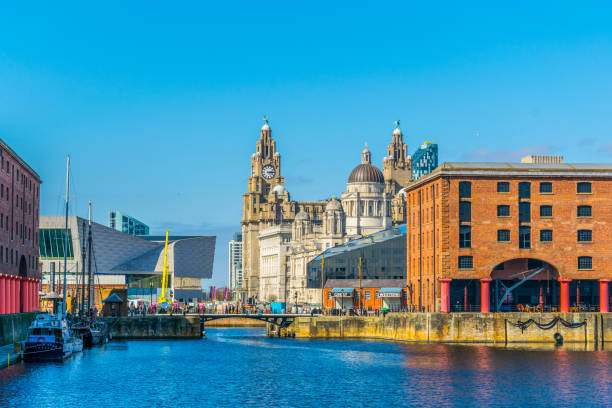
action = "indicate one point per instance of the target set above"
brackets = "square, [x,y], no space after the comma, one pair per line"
[509,236]
[19,214]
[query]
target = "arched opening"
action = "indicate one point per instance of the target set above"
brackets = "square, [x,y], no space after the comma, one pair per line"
[524,284]
[23,267]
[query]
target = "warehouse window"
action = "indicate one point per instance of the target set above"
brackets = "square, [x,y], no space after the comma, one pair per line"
[584,188]
[465,236]
[503,235]
[466,262]
[585,262]
[524,237]
[465,211]
[525,211]
[545,188]
[465,189]
[584,211]
[503,187]
[524,190]
[503,210]
[546,211]
[585,236]
[546,236]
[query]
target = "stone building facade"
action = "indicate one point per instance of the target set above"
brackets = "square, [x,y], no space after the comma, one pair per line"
[373,201]
[476,229]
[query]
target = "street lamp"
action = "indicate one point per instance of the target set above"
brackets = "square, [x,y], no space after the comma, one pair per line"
[151,291]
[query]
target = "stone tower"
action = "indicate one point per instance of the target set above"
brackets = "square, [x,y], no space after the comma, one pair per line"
[261,205]
[397,171]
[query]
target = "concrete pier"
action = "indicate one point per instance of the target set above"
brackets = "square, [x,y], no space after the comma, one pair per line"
[477,328]
[154,327]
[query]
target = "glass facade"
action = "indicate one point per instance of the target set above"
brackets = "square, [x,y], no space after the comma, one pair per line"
[383,256]
[424,160]
[127,224]
[52,243]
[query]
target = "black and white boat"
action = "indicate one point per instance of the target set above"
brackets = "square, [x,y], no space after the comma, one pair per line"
[49,339]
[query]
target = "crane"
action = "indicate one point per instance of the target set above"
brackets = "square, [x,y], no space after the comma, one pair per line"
[163,301]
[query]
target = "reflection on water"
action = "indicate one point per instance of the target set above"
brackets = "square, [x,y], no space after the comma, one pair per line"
[242,367]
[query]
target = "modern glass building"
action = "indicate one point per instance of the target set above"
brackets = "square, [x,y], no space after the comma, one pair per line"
[235,261]
[382,255]
[424,160]
[125,223]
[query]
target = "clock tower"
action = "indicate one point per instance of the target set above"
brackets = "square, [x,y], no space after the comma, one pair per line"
[262,204]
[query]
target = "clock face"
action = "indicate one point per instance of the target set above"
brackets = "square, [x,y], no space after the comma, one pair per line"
[268,172]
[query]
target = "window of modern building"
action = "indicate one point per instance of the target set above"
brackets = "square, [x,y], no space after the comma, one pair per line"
[545,235]
[524,189]
[503,210]
[466,262]
[525,211]
[585,235]
[465,211]
[52,242]
[545,187]
[584,211]
[524,237]
[585,262]
[545,210]
[465,236]
[503,235]
[465,189]
[584,188]
[503,187]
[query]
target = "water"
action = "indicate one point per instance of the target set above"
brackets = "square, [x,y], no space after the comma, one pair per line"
[242,367]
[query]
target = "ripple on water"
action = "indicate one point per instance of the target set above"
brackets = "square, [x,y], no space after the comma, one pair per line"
[242,367]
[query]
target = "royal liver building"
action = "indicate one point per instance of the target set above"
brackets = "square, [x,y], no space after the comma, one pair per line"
[280,236]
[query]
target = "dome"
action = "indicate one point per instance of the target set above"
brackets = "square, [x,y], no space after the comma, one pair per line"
[333,205]
[366,173]
[265,127]
[302,215]
[397,131]
[279,189]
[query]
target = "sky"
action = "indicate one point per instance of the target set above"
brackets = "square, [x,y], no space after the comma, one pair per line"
[160,104]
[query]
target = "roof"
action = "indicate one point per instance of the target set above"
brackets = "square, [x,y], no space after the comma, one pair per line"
[363,242]
[366,173]
[113,298]
[342,290]
[365,283]
[518,169]
[390,290]
[19,160]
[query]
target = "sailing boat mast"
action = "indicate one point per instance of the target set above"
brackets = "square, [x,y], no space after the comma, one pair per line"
[83,309]
[90,292]
[66,229]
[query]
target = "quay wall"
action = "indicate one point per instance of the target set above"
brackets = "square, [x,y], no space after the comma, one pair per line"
[14,327]
[154,327]
[235,322]
[483,328]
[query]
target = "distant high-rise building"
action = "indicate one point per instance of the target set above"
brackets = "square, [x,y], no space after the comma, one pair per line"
[125,223]
[235,261]
[424,160]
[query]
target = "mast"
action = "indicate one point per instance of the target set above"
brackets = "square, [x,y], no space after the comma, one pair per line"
[66,229]
[82,309]
[90,291]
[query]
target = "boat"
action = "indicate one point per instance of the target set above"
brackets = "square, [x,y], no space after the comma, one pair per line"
[99,332]
[82,329]
[49,338]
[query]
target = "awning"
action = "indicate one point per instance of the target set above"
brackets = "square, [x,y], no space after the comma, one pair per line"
[390,292]
[342,292]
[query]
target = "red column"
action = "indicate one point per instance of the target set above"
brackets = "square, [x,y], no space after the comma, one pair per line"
[13,296]
[465,298]
[18,293]
[564,295]
[445,295]
[28,293]
[3,295]
[604,296]
[32,296]
[485,301]
[541,299]
[36,300]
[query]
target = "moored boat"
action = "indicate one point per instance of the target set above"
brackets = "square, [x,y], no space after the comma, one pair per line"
[49,338]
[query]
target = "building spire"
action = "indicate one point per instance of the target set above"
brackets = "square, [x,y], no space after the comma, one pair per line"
[366,156]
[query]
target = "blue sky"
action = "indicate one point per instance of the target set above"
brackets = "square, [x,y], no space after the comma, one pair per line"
[160,105]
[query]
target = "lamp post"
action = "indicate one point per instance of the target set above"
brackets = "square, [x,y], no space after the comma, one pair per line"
[151,291]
